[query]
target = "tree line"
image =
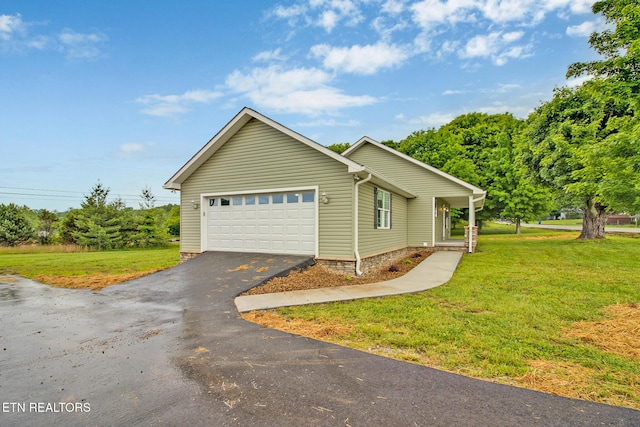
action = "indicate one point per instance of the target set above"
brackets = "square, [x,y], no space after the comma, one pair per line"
[579,150]
[98,223]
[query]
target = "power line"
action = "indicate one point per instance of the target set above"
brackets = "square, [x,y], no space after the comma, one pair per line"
[82,193]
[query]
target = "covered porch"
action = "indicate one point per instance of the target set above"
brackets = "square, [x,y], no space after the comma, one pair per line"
[441,232]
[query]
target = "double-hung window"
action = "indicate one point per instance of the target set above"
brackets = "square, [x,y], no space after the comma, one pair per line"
[382,209]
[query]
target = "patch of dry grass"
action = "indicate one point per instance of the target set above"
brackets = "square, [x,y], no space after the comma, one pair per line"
[619,333]
[579,382]
[92,281]
[319,331]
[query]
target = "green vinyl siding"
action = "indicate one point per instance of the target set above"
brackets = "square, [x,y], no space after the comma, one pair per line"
[422,182]
[259,157]
[375,240]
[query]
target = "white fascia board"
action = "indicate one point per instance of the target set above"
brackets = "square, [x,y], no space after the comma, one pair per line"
[172,186]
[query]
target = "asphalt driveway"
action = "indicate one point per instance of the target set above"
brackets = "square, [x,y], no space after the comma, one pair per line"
[171,349]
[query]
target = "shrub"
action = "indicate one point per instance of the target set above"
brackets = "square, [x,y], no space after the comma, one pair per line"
[15,228]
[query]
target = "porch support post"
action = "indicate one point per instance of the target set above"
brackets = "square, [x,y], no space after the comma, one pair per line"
[433,222]
[472,222]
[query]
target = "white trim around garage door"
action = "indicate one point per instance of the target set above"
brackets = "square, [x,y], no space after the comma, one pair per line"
[204,206]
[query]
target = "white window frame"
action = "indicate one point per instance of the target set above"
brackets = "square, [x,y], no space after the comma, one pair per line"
[383,213]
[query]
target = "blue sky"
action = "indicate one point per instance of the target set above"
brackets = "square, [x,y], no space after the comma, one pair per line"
[125,92]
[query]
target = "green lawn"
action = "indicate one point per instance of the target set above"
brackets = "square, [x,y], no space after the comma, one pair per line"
[509,315]
[62,266]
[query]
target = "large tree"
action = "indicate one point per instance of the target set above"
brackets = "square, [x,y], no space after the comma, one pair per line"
[481,149]
[584,142]
[620,46]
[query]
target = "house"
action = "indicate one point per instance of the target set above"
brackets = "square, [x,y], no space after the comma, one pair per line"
[258,186]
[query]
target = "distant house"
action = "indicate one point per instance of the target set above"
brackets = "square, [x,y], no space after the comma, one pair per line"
[618,220]
[258,186]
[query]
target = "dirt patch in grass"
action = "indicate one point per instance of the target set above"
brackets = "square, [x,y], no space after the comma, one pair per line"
[319,331]
[92,281]
[619,333]
[319,276]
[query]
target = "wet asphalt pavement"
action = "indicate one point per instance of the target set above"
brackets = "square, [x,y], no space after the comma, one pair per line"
[171,349]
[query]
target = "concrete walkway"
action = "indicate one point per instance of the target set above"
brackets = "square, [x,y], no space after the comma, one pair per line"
[434,271]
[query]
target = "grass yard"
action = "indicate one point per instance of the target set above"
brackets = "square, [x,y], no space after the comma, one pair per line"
[72,267]
[541,310]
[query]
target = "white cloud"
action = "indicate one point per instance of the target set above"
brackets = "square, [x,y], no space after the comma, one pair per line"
[393,7]
[15,37]
[508,87]
[501,11]
[365,60]
[328,20]
[430,13]
[500,107]
[131,147]
[9,25]
[578,81]
[495,46]
[434,120]
[453,92]
[294,90]
[335,12]
[172,106]
[327,14]
[289,12]
[79,45]
[586,28]
[269,56]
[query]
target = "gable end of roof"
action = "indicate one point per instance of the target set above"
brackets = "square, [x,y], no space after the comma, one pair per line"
[231,128]
[367,140]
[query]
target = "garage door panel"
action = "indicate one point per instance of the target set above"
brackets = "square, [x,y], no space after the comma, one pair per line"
[276,223]
[307,214]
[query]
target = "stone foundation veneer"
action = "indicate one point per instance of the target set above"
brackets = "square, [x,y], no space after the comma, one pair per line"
[475,237]
[371,262]
[186,256]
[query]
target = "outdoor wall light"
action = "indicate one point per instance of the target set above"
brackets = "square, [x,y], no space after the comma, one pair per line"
[195,205]
[324,198]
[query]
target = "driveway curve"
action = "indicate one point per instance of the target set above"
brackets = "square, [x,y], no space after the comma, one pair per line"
[171,349]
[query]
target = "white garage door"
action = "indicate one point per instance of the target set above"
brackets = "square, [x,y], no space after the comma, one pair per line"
[283,223]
